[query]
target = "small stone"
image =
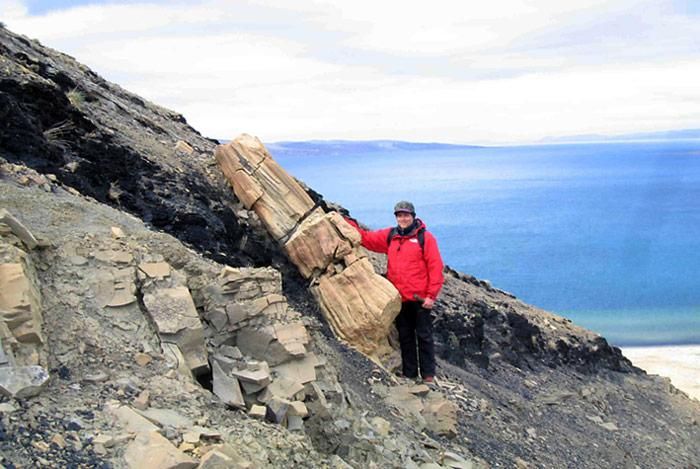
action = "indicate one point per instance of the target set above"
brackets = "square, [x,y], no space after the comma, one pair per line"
[259,375]
[381,426]
[58,440]
[295,423]
[530,384]
[230,351]
[155,269]
[419,390]
[117,233]
[456,461]
[609,426]
[207,433]
[298,408]
[184,147]
[99,450]
[104,440]
[97,377]
[257,411]
[143,400]
[142,359]
[77,444]
[186,447]
[7,408]
[166,418]
[217,460]
[191,437]
[41,446]
[78,260]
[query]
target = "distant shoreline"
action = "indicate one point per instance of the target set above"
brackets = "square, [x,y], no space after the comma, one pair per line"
[680,363]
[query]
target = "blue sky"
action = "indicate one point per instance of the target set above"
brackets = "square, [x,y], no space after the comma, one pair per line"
[499,72]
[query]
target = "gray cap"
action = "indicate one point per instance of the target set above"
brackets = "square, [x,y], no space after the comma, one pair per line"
[404,206]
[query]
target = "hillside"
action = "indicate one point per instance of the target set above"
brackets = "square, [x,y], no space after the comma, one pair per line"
[139,280]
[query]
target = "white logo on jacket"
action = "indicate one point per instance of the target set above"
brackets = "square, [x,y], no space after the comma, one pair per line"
[413,240]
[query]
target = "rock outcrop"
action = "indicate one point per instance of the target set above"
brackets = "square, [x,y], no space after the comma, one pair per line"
[359,304]
[21,339]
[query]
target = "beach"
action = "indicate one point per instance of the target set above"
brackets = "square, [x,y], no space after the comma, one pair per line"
[679,363]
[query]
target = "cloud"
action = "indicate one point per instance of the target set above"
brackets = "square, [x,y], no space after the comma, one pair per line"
[503,72]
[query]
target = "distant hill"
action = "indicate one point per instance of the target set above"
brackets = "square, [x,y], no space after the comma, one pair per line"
[333,147]
[684,134]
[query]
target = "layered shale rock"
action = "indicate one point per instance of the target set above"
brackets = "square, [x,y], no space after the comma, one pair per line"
[21,339]
[359,304]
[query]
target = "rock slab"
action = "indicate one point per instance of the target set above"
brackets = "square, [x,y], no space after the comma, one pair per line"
[150,450]
[23,381]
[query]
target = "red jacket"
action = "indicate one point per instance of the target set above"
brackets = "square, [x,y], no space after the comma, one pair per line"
[412,270]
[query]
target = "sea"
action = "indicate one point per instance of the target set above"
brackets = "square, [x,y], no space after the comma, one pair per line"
[605,234]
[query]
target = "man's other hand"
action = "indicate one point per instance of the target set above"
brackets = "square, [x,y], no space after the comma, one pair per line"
[428,303]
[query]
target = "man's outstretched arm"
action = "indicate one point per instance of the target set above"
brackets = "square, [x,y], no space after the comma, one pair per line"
[372,240]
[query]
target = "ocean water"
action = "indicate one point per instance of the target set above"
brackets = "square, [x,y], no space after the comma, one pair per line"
[607,235]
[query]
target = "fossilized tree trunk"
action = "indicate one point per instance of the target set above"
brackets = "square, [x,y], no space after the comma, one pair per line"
[359,304]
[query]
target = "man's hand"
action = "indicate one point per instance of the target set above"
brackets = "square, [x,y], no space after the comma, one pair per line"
[428,303]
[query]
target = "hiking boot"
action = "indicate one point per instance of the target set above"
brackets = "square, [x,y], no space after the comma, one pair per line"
[428,380]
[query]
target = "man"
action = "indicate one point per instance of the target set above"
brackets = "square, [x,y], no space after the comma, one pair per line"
[415,267]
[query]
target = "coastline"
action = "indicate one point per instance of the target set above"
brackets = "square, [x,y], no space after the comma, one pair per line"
[680,363]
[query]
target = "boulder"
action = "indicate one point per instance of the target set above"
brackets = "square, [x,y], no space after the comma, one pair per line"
[20,301]
[277,410]
[275,344]
[301,370]
[284,388]
[18,229]
[129,419]
[226,387]
[298,408]
[175,316]
[23,381]
[293,337]
[150,450]
[441,416]
[248,283]
[258,375]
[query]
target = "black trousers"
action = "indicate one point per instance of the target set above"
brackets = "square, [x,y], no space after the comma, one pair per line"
[415,328]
